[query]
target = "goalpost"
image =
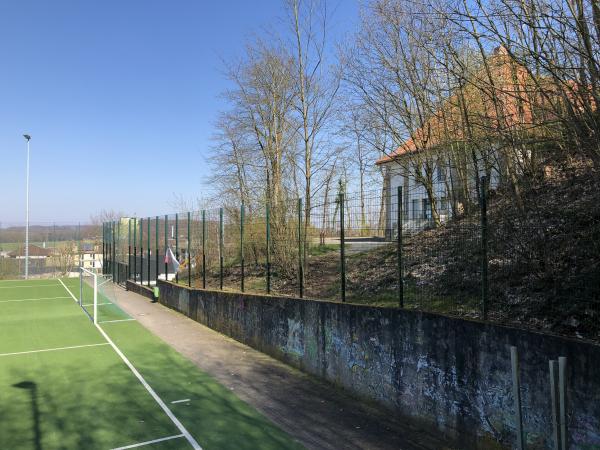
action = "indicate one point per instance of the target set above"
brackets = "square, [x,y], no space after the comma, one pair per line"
[88,293]
[95,290]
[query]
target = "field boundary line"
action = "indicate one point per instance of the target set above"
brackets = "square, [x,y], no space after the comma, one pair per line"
[144,383]
[116,320]
[154,441]
[68,290]
[30,286]
[30,299]
[54,349]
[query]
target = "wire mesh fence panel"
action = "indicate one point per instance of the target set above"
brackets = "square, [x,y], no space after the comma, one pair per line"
[370,249]
[171,247]
[54,250]
[283,247]
[419,246]
[142,236]
[255,250]
[151,251]
[196,248]
[212,250]
[229,245]
[182,247]
[541,274]
[160,241]
[441,254]
[321,264]
[137,265]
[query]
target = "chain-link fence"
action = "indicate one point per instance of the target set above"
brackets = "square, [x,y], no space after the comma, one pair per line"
[452,257]
[55,250]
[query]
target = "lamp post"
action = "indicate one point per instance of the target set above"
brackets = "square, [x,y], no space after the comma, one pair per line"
[27,138]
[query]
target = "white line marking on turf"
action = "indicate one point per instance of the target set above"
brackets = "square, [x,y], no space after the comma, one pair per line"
[53,349]
[91,304]
[180,401]
[151,391]
[117,320]
[140,444]
[31,299]
[65,286]
[29,286]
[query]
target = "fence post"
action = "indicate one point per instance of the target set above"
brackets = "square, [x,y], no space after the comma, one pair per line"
[128,248]
[221,248]
[114,255]
[135,249]
[203,249]
[242,211]
[400,226]
[157,250]
[300,262]
[105,255]
[342,248]
[117,238]
[112,248]
[106,262]
[554,400]
[79,262]
[484,249]
[268,220]
[149,253]
[103,248]
[177,245]
[514,360]
[166,246]
[189,246]
[562,401]
[141,252]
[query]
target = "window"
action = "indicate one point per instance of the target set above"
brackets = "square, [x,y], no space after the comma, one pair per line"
[441,174]
[426,209]
[415,209]
[443,205]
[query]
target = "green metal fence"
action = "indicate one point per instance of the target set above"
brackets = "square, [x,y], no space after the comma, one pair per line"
[451,257]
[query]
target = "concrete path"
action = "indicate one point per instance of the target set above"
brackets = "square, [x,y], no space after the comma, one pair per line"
[317,414]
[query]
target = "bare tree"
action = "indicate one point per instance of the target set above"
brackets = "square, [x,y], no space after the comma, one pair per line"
[316,89]
[397,79]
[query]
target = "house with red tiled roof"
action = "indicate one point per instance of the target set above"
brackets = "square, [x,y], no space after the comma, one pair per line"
[35,252]
[422,166]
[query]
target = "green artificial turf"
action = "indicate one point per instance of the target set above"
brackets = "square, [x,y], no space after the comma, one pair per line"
[87,398]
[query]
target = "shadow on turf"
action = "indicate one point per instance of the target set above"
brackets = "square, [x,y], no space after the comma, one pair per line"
[35,410]
[221,420]
[88,417]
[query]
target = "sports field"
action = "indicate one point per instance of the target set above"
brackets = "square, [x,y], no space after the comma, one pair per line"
[66,383]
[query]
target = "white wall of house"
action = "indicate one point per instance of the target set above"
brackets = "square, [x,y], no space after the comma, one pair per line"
[416,203]
[91,260]
[416,206]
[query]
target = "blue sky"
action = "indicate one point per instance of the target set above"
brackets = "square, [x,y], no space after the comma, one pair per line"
[120,97]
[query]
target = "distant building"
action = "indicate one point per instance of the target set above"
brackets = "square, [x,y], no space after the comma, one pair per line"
[91,260]
[35,252]
[427,151]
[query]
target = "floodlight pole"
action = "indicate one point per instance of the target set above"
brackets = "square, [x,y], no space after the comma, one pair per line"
[27,138]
